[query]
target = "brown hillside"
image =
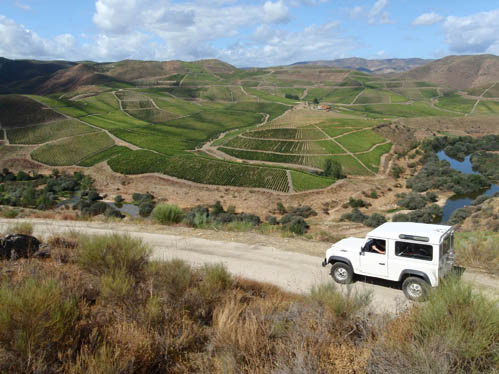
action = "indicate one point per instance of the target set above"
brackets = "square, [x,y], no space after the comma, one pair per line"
[73,78]
[130,70]
[461,72]
[217,66]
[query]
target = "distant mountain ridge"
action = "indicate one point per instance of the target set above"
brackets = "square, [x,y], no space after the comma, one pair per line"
[460,72]
[382,66]
[44,77]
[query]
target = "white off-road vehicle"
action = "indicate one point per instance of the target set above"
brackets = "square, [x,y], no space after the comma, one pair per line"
[415,254]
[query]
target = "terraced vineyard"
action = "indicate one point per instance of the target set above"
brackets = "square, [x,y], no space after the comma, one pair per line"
[174,112]
[71,151]
[48,132]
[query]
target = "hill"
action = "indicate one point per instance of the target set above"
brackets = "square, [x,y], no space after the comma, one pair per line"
[72,78]
[22,70]
[392,65]
[460,72]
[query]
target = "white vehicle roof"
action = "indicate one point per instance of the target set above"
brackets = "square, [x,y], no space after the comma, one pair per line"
[425,232]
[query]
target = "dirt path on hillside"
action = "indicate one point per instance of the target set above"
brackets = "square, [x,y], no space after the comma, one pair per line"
[480,98]
[249,255]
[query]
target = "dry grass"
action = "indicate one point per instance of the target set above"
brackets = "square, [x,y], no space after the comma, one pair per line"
[22,228]
[173,318]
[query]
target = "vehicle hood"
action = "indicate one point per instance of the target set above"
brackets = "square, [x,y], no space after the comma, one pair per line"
[347,245]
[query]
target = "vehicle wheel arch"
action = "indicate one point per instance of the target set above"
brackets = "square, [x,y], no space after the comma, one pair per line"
[333,259]
[414,273]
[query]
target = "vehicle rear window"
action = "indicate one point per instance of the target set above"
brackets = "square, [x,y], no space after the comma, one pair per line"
[414,250]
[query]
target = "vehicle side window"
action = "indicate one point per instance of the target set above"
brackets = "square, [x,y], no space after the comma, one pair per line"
[414,250]
[376,246]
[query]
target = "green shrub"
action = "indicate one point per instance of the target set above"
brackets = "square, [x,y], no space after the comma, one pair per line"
[166,214]
[374,220]
[411,201]
[118,199]
[146,208]
[216,279]
[10,213]
[116,287]
[109,254]
[459,215]
[455,331]
[355,216]
[36,322]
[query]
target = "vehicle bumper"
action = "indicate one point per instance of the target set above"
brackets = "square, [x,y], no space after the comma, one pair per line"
[324,263]
[457,270]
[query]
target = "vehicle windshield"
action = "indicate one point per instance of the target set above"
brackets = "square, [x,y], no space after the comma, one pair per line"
[447,244]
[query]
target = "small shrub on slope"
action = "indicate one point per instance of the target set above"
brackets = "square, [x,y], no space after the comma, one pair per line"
[166,214]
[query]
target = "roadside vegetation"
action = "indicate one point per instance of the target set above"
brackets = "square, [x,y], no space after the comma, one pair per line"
[99,304]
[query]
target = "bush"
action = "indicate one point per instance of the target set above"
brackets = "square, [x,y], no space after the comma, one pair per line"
[480,200]
[109,254]
[431,197]
[455,331]
[397,171]
[333,168]
[116,287]
[375,220]
[10,213]
[24,228]
[281,208]
[355,216]
[347,305]
[357,203]
[166,214]
[146,208]
[216,279]
[173,277]
[272,220]
[118,199]
[302,211]
[459,215]
[96,208]
[412,201]
[36,322]
[197,216]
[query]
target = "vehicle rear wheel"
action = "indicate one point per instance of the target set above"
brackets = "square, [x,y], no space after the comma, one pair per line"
[342,273]
[415,289]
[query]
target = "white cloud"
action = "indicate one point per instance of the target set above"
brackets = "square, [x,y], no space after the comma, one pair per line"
[18,42]
[427,19]
[21,5]
[356,11]
[477,33]
[276,12]
[377,14]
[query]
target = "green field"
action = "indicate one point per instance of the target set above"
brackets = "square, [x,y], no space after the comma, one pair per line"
[487,107]
[201,170]
[269,97]
[372,159]
[304,181]
[104,155]
[286,133]
[339,95]
[456,103]
[360,141]
[417,109]
[71,151]
[48,132]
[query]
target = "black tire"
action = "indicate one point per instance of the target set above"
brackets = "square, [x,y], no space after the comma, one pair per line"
[342,273]
[415,289]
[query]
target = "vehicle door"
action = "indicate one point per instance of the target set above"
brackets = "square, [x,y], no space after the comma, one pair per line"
[373,258]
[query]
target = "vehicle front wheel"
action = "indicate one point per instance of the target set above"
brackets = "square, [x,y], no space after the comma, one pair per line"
[415,289]
[342,273]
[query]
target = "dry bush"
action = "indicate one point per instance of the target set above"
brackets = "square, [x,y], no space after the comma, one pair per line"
[23,228]
[172,278]
[478,249]
[455,331]
[63,247]
[36,323]
[107,254]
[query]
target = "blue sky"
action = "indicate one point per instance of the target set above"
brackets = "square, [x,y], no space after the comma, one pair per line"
[246,33]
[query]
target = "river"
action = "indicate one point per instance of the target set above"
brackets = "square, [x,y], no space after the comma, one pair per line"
[459,201]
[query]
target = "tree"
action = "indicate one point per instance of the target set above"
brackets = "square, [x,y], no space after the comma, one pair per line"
[316,101]
[332,168]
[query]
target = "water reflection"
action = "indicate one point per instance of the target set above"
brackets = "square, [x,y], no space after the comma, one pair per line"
[460,201]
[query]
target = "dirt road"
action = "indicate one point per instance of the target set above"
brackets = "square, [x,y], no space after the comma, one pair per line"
[295,272]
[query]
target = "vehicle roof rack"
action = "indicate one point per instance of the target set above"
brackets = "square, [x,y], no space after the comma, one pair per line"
[415,237]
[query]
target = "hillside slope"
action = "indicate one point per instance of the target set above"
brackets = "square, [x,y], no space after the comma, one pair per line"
[392,65]
[461,72]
